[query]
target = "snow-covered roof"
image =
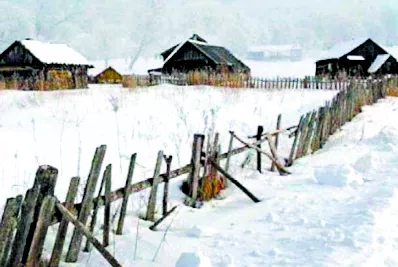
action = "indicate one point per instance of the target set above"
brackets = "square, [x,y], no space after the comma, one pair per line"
[379,61]
[121,65]
[392,50]
[50,53]
[353,57]
[341,49]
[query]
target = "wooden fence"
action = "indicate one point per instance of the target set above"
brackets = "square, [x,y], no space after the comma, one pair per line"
[237,81]
[26,219]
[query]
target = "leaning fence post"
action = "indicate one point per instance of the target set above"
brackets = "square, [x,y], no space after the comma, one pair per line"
[150,213]
[196,157]
[45,181]
[231,141]
[63,226]
[295,141]
[75,243]
[107,212]
[278,126]
[7,226]
[260,130]
[126,195]
[166,183]
[10,238]
[26,218]
[39,236]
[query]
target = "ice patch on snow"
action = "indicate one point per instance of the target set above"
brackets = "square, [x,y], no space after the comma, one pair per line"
[338,175]
[369,161]
[195,231]
[193,259]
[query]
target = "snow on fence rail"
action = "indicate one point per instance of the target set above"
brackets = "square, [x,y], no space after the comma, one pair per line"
[25,220]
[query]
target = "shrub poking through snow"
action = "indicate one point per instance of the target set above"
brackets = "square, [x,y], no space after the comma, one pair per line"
[211,185]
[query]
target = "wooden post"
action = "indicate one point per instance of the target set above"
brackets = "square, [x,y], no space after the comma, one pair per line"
[7,225]
[93,222]
[43,222]
[45,181]
[84,231]
[260,130]
[295,141]
[278,126]
[153,227]
[166,183]
[74,247]
[231,141]
[26,218]
[126,195]
[196,157]
[63,226]
[150,213]
[235,182]
[107,212]
[11,228]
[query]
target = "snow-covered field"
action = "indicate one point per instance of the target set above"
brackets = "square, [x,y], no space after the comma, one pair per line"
[337,209]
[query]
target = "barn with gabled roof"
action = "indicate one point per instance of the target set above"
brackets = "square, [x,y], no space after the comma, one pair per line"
[358,57]
[35,65]
[195,54]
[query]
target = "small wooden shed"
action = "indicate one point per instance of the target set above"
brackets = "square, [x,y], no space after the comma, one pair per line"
[108,75]
[34,65]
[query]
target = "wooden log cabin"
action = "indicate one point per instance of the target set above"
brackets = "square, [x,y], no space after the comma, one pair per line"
[195,54]
[356,58]
[35,65]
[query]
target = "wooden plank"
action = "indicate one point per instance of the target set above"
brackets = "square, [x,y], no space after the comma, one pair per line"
[150,214]
[75,244]
[13,225]
[156,224]
[260,130]
[123,209]
[166,183]
[107,212]
[295,141]
[231,141]
[196,157]
[235,182]
[96,204]
[63,226]
[7,226]
[303,134]
[45,181]
[43,222]
[278,126]
[26,219]
[81,228]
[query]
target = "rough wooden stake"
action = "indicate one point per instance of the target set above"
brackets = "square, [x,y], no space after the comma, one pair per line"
[75,244]
[260,130]
[235,182]
[82,229]
[295,142]
[45,181]
[166,183]
[196,157]
[10,238]
[278,126]
[43,222]
[150,214]
[153,227]
[230,145]
[107,212]
[7,226]
[123,209]
[63,226]
[26,218]
[93,222]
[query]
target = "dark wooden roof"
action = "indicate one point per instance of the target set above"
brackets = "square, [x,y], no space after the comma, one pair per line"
[218,54]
